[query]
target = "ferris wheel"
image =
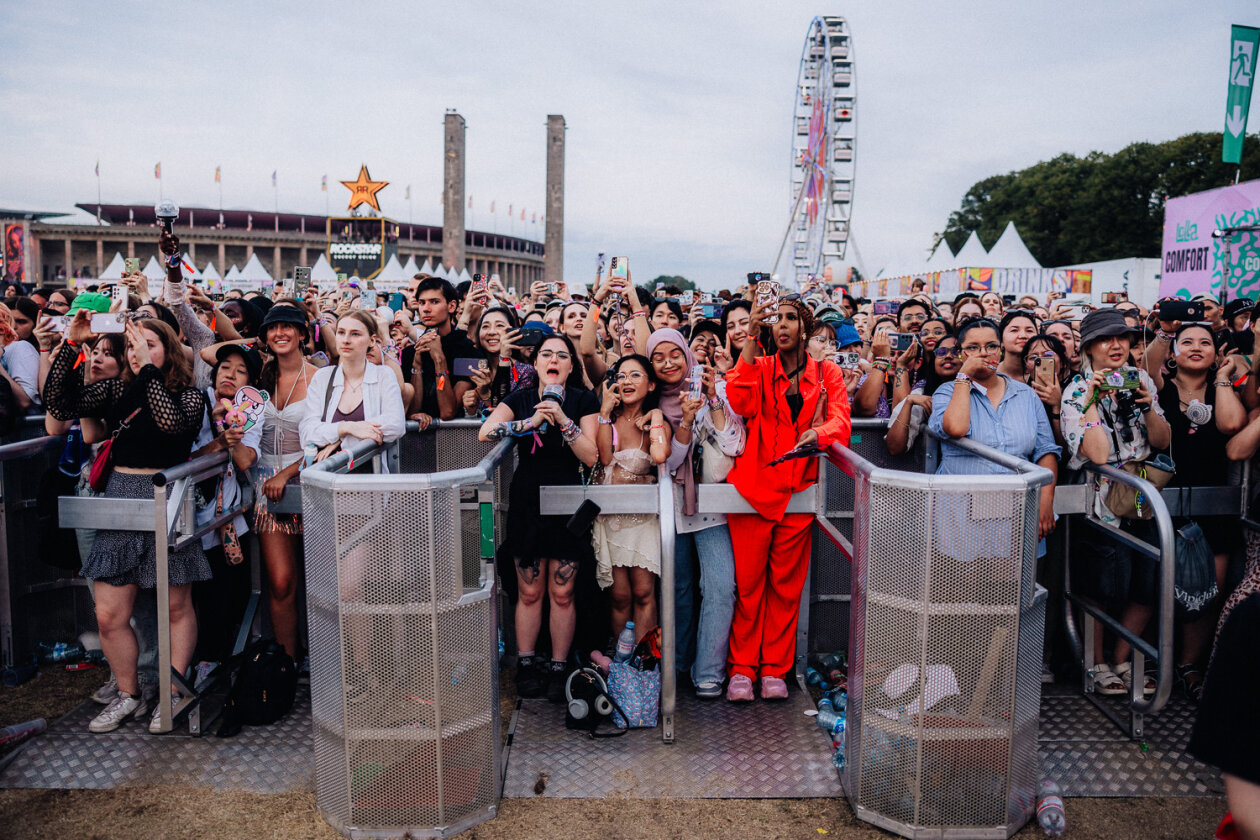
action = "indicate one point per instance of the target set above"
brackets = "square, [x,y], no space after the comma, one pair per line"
[824,139]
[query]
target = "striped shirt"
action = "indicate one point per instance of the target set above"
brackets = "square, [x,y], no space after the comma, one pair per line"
[1017,426]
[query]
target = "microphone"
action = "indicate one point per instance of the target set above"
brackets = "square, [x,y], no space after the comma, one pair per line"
[167,212]
[555,393]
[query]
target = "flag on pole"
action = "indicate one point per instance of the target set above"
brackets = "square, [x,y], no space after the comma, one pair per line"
[522,214]
[408,195]
[98,169]
[157,170]
[491,205]
[218,174]
[533,218]
[509,209]
[323,184]
[273,177]
[470,202]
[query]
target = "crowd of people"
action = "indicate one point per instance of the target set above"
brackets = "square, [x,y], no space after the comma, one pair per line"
[618,386]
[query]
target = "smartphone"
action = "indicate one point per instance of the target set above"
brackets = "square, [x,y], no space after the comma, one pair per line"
[619,268]
[848,360]
[478,284]
[467,367]
[901,341]
[530,337]
[551,289]
[767,292]
[397,301]
[1121,379]
[686,299]
[57,323]
[884,307]
[349,291]
[711,310]
[659,294]
[121,295]
[1181,310]
[1114,297]
[131,264]
[108,322]
[301,280]
[342,277]
[697,381]
[1043,369]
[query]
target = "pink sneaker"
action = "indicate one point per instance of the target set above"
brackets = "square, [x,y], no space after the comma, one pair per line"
[739,689]
[773,688]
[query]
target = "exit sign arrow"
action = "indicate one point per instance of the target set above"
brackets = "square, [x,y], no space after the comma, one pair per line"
[1235,121]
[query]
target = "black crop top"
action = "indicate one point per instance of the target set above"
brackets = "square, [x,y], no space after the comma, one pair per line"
[160,436]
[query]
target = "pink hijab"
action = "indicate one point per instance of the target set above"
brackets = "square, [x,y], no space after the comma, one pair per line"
[671,407]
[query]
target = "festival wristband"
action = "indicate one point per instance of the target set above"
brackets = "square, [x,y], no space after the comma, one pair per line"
[1085,427]
[641,313]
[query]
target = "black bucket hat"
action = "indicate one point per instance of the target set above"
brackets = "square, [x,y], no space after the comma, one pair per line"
[1102,323]
[253,361]
[284,314]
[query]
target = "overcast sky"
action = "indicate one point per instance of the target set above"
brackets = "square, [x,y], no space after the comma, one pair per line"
[679,114]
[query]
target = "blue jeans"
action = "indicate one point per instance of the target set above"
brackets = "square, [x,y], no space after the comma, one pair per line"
[702,645]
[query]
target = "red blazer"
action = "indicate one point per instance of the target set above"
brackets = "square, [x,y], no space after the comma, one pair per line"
[758,392]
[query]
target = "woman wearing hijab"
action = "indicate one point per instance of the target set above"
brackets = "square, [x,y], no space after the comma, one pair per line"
[781,396]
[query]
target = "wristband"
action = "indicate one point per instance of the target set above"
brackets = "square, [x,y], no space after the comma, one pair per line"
[1087,426]
[602,421]
[642,313]
[72,342]
[715,404]
[1165,336]
[962,377]
[174,260]
[1221,382]
[686,426]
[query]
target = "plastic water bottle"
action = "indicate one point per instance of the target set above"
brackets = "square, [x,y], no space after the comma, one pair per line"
[830,721]
[625,643]
[1050,814]
[814,677]
[19,732]
[309,454]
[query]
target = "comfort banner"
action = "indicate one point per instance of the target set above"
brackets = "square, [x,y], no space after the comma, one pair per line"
[1193,261]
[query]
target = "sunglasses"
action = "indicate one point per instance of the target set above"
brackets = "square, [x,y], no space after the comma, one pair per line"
[943,352]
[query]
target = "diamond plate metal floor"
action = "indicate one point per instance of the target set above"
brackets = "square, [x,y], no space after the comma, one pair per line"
[723,750]
[261,759]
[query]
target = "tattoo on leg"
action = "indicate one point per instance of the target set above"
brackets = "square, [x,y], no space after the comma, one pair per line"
[529,571]
[566,570]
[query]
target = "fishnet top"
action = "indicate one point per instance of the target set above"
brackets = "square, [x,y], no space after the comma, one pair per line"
[160,436]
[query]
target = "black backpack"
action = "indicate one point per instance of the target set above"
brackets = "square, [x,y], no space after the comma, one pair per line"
[263,690]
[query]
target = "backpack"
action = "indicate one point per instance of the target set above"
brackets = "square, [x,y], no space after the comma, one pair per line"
[263,690]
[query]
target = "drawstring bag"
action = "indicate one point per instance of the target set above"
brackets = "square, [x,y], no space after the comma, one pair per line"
[1194,586]
[1128,502]
[636,695]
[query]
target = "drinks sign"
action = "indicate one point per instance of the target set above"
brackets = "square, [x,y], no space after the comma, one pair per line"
[1193,260]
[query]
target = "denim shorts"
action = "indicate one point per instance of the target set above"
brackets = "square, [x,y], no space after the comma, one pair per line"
[1113,573]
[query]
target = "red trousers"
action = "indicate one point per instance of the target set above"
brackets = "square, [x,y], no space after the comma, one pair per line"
[771,564]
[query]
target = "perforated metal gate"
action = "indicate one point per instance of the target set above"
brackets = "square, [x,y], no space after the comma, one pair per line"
[944,679]
[404,661]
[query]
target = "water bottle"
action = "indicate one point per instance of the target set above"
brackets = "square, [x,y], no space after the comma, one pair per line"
[17,733]
[826,703]
[815,678]
[1050,809]
[830,722]
[61,651]
[502,645]
[310,453]
[625,643]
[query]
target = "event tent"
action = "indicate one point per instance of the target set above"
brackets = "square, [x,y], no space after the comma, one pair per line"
[427,268]
[114,270]
[210,274]
[254,273]
[322,272]
[391,277]
[972,254]
[233,274]
[942,258]
[464,276]
[410,269]
[1010,251]
[155,272]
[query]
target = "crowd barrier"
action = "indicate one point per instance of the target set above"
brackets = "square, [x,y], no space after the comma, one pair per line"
[402,613]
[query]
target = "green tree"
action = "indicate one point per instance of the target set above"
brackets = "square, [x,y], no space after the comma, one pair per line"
[673,280]
[1098,207]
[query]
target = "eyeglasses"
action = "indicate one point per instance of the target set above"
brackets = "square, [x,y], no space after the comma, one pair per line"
[988,349]
[561,355]
[822,340]
[637,376]
[952,350]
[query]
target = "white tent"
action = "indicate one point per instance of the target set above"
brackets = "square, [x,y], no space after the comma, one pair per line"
[322,272]
[193,275]
[410,269]
[210,274]
[114,271]
[972,254]
[427,268]
[440,271]
[942,258]
[153,271]
[392,277]
[254,273]
[233,273]
[464,276]
[1010,251]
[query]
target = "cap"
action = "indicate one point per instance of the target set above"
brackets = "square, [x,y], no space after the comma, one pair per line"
[91,301]
[253,362]
[847,334]
[1102,323]
[1238,306]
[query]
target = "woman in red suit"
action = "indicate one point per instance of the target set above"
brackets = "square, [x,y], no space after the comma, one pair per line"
[789,400]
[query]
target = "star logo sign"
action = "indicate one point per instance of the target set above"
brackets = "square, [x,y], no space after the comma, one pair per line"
[363,190]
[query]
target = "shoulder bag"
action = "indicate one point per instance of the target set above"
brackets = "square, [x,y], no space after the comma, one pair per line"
[103,464]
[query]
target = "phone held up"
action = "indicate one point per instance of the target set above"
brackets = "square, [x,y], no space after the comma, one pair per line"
[1181,310]
[1043,368]
[301,280]
[767,291]
[467,367]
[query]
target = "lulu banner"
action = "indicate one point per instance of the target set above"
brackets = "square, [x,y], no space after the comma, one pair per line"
[14,254]
[1194,261]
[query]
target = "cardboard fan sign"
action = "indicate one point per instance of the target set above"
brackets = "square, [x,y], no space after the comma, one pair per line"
[245,410]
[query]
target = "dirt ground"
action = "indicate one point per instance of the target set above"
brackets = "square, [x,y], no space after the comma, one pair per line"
[177,812]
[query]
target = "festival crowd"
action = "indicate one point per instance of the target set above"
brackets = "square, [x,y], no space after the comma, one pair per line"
[617,387]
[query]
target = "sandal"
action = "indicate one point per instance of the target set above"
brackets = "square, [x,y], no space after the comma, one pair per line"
[1106,682]
[1124,672]
[1190,679]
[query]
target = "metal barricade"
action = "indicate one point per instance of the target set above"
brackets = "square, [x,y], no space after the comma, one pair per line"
[37,600]
[946,636]
[171,517]
[404,664]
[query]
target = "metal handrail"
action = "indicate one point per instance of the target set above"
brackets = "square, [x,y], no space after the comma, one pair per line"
[1162,653]
[32,446]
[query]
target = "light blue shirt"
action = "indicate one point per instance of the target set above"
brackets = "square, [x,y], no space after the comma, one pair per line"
[1017,426]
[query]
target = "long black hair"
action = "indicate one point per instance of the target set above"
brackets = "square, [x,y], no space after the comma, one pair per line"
[653,398]
[931,379]
[575,382]
[502,383]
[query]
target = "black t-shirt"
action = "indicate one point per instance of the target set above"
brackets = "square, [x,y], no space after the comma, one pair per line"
[1225,732]
[1199,455]
[553,462]
[455,345]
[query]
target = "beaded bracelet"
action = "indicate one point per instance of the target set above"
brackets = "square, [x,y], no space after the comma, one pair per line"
[570,432]
[601,419]
[640,313]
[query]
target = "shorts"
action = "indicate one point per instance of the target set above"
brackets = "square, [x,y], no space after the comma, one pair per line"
[1110,572]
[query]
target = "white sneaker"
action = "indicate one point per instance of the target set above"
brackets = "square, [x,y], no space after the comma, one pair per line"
[107,692]
[153,721]
[122,707]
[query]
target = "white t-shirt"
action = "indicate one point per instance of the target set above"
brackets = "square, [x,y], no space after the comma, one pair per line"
[21,360]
